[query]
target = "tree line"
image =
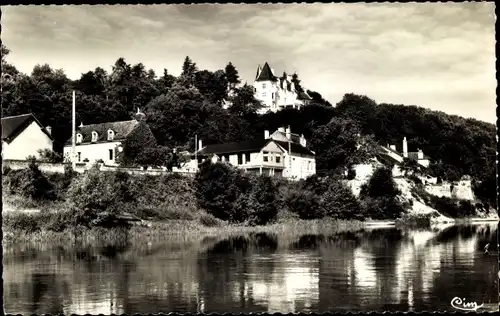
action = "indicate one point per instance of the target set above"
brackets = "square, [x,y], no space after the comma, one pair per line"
[179,107]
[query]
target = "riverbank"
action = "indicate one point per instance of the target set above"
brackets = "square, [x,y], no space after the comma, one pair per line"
[21,227]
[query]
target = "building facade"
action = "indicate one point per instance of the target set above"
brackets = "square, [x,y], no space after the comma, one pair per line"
[280,154]
[101,142]
[277,93]
[24,136]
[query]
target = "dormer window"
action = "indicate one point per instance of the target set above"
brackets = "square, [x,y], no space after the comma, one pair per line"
[94,136]
[79,138]
[111,135]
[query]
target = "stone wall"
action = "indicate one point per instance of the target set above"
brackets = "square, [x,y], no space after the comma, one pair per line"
[49,167]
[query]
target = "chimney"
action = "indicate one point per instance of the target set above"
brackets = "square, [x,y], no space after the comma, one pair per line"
[420,154]
[81,124]
[405,148]
[393,147]
[303,141]
[49,130]
[288,133]
[200,144]
[266,134]
[139,115]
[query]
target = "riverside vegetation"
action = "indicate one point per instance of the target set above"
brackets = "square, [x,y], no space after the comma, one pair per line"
[179,107]
[218,197]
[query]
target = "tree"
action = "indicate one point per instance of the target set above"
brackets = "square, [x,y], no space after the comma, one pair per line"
[296,82]
[189,70]
[244,102]
[232,75]
[175,118]
[410,165]
[138,148]
[213,86]
[339,144]
[219,186]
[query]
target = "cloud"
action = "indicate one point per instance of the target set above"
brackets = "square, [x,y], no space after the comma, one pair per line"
[438,55]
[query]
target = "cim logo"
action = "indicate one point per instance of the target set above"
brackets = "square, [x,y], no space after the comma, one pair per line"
[459,303]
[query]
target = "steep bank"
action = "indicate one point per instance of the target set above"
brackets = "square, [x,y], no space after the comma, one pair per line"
[418,196]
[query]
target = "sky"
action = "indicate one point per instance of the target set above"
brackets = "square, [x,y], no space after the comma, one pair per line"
[435,55]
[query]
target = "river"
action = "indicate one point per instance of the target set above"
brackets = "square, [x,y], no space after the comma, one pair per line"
[379,269]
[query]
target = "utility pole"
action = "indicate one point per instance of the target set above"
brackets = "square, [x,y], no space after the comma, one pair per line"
[196,150]
[73,132]
[290,150]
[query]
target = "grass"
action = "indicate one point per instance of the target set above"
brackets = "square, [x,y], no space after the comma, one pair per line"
[43,226]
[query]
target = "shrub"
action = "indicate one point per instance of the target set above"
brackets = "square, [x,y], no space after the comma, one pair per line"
[339,202]
[50,155]
[97,192]
[30,183]
[304,203]
[381,184]
[261,202]
[219,186]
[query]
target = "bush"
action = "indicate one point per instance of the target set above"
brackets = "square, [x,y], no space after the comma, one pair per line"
[305,204]
[380,196]
[30,183]
[98,192]
[261,203]
[219,186]
[339,202]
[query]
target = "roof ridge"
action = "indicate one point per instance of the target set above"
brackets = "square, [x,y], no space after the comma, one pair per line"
[12,116]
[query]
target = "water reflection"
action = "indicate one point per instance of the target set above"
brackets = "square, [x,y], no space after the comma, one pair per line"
[378,269]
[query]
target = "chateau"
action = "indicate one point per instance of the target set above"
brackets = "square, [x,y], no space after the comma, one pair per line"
[277,93]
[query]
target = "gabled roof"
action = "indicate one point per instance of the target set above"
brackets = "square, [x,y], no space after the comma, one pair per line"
[266,74]
[12,126]
[295,148]
[235,147]
[121,129]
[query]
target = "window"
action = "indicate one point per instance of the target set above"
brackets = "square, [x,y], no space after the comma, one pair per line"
[240,159]
[111,135]
[309,165]
[79,138]
[227,158]
[272,95]
[94,136]
[110,154]
[79,156]
[278,159]
[263,86]
[265,156]
[247,158]
[264,94]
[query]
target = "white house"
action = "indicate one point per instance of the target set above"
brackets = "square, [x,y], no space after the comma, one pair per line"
[97,142]
[23,136]
[280,154]
[277,93]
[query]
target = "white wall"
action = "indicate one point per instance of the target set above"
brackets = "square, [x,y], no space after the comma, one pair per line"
[94,152]
[265,95]
[301,166]
[27,143]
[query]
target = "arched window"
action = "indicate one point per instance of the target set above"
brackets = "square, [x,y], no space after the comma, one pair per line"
[94,136]
[111,135]
[79,138]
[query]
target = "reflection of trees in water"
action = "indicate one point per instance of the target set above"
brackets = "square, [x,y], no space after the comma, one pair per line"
[223,272]
[46,291]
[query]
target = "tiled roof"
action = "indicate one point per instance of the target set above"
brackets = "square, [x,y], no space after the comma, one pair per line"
[245,146]
[296,148]
[251,146]
[14,125]
[121,129]
[266,74]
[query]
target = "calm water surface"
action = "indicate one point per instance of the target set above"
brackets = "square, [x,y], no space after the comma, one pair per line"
[372,270]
